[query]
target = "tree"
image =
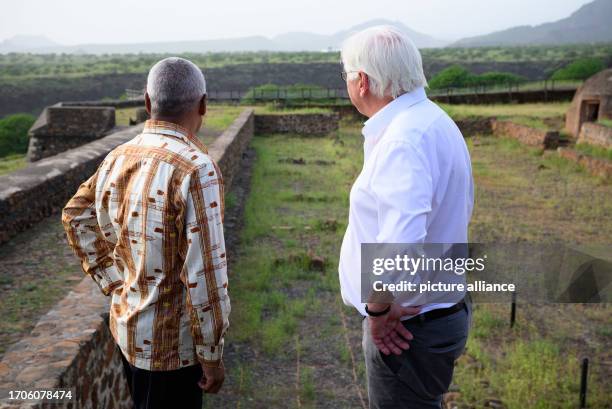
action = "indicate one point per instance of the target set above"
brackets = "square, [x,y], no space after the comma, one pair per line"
[499,78]
[454,76]
[14,133]
[579,70]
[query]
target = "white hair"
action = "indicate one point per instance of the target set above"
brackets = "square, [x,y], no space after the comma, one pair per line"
[174,86]
[388,57]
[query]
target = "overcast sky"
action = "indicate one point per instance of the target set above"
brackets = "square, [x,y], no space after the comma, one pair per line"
[126,21]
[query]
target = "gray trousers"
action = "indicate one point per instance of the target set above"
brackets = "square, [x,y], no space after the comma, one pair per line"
[422,374]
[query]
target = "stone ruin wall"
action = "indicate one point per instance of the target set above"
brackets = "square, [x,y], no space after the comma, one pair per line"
[60,128]
[302,124]
[595,134]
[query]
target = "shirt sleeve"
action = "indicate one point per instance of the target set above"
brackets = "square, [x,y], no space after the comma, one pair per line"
[403,190]
[86,239]
[205,269]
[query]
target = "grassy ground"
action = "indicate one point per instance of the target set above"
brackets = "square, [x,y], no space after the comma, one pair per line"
[606,122]
[536,110]
[12,163]
[36,269]
[596,151]
[287,345]
[293,344]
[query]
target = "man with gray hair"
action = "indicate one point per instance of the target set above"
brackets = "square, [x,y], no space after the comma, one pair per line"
[148,228]
[415,187]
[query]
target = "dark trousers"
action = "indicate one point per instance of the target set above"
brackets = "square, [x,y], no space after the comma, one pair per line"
[418,377]
[164,389]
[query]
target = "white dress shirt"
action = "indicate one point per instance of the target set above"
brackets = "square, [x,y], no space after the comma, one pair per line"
[415,186]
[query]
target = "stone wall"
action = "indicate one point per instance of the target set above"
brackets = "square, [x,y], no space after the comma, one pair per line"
[30,194]
[595,166]
[59,128]
[527,135]
[305,124]
[475,126]
[520,97]
[595,134]
[71,346]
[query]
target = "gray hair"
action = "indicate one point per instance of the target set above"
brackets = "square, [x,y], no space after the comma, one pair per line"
[389,58]
[174,86]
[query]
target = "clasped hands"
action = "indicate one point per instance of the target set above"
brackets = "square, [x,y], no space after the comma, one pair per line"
[388,333]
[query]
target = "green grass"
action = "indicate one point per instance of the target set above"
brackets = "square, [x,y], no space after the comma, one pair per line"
[12,163]
[595,151]
[123,115]
[220,117]
[528,121]
[536,110]
[605,122]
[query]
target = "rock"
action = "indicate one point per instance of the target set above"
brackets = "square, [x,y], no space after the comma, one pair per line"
[317,263]
[494,403]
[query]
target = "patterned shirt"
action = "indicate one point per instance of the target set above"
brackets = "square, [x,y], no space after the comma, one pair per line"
[148,228]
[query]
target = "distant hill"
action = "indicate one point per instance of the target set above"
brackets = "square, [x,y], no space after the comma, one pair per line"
[592,23]
[19,43]
[294,41]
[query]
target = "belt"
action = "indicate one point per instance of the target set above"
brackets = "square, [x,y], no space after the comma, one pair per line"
[437,313]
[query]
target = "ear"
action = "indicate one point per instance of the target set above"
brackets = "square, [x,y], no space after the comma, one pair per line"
[148,103]
[202,107]
[364,84]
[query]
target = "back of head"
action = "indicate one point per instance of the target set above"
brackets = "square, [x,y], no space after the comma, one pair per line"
[175,86]
[389,58]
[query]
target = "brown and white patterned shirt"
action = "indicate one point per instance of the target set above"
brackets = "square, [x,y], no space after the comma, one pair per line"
[148,228]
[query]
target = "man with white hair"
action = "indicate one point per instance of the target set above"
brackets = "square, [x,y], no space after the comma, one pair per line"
[415,187]
[148,228]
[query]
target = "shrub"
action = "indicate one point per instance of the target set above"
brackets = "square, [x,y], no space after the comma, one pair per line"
[497,78]
[454,76]
[579,70]
[14,133]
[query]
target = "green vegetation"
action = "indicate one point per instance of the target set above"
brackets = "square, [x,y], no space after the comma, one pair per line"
[519,53]
[16,65]
[220,117]
[281,110]
[12,163]
[456,76]
[579,70]
[605,122]
[14,134]
[271,92]
[535,110]
[595,151]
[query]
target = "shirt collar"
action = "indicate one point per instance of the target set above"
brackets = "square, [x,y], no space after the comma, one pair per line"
[380,120]
[153,126]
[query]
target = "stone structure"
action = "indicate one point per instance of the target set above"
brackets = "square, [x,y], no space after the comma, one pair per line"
[595,166]
[304,124]
[28,195]
[71,346]
[527,135]
[596,134]
[592,102]
[59,128]
[475,126]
